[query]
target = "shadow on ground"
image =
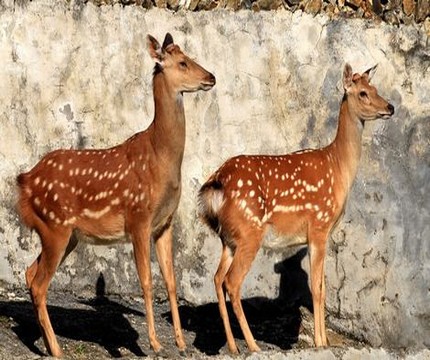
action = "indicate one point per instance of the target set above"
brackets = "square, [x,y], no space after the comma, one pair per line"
[98,320]
[105,321]
[274,322]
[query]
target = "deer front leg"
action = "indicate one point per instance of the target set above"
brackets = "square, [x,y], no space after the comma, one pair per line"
[317,255]
[141,247]
[163,247]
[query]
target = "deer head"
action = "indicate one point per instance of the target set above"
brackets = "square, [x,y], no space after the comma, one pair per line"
[363,99]
[185,74]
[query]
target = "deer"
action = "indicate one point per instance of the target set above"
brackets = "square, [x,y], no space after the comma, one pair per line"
[126,193]
[298,198]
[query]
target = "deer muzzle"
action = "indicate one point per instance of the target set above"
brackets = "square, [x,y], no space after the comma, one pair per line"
[208,83]
[388,113]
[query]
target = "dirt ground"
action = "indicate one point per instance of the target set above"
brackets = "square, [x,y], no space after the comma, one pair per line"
[110,326]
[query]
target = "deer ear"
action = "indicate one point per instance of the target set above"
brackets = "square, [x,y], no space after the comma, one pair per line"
[155,49]
[168,40]
[347,77]
[370,72]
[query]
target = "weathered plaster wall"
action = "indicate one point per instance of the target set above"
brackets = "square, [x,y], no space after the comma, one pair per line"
[81,77]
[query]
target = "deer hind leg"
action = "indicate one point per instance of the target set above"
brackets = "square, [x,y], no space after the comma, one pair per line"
[224,265]
[163,247]
[71,245]
[317,249]
[245,253]
[38,277]
[32,269]
[142,246]
[31,272]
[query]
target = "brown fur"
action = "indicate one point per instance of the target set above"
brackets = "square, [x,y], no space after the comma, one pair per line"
[128,192]
[300,196]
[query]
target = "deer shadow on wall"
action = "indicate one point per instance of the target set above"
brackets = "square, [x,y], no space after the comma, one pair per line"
[99,320]
[273,321]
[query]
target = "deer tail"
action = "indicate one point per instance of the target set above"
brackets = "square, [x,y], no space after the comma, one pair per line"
[210,200]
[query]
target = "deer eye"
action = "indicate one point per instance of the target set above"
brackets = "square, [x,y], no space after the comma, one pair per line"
[183,65]
[363,94]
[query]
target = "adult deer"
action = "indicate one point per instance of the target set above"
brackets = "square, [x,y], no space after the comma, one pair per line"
[300,196]
[128,192]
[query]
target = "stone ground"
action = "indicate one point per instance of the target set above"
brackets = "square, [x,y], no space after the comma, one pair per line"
[110,326]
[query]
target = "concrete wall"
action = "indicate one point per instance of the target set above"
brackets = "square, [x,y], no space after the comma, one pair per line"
[81,77]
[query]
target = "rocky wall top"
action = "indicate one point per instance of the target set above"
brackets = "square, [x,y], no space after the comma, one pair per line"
[391,11]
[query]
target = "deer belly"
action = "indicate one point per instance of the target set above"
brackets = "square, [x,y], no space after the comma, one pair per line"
[274,239]
[101,239]
[108,229]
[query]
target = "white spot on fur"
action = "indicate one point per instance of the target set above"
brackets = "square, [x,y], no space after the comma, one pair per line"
[70,221]
[242,204]
[284,209]
[96,214]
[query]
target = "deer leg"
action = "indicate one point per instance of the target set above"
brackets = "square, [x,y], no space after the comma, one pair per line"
[163,247]
[240,266]
[224,265]
[73,242]
[32,269]
[38,277]
[31,272]
[317,255]
[142,248]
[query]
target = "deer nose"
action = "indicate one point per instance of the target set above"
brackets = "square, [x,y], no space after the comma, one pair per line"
[390,108]
[212,79]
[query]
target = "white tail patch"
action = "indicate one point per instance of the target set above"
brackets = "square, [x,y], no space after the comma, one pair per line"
[211,201]
[216,200]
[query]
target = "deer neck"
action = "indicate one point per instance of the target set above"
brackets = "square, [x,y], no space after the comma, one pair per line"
[346,147]
[167,131]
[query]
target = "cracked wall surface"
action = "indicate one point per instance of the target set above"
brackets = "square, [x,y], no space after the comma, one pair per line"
[76,80]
